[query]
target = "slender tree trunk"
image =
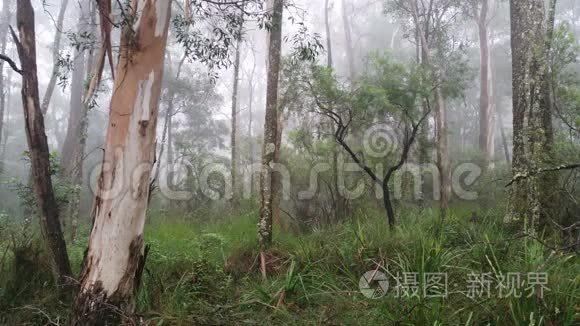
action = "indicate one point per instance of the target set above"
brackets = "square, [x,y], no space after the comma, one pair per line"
[388,205]
[55,53]
[349,43]
[75,172]
[485,104]
[4,138]
[234,134]
[338,199]
[251,113]
[276,178]
[6,15]
[37,143]
[443,156]
[327,9]
[267,186]
[442,147]
[115,257]
[169,123]
[76,106]
[504,142]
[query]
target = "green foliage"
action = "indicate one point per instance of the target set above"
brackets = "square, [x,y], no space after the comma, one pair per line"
[63,189]
[190,277]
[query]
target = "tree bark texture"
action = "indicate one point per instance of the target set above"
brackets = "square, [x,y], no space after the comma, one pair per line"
[532,130]
[267,186]
[115,257]
[37,143]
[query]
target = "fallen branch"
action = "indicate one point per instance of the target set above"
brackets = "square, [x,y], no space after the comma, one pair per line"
[532,173]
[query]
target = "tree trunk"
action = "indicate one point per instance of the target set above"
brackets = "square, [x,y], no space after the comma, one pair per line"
[443,156]
[169,124]
[251,113]
[234,134]
[115,256]
[338,199]
[6,15]
[75,167]
[267,186]
[328,38]
[76,106]
[485,104]
[55,53]
[4,138]
[529,198]
[37,143]
[388,206]
[442,148]
[504,142]
[276,177]
[349,45]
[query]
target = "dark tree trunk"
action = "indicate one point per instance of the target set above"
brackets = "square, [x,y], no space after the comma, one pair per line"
[267,186]
[37,143]
[388,206]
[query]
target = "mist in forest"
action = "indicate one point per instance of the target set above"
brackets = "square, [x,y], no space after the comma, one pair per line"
[289,161]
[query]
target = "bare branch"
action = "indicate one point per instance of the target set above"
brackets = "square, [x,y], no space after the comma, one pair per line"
[11,63]
[532,173]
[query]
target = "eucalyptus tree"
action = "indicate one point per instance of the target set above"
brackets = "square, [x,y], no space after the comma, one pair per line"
[39,154]
[532,28]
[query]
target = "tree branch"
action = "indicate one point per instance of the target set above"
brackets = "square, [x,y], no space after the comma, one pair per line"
[532,173]
[11,63]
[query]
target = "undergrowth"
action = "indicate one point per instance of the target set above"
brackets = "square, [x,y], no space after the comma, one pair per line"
[208,274]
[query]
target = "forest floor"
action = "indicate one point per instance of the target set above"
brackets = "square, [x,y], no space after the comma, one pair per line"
[464,273]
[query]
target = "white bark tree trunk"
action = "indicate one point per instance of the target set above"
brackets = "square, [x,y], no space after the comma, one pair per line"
[115,256]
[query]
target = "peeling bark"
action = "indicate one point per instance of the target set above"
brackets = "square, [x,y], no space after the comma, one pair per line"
[114,259]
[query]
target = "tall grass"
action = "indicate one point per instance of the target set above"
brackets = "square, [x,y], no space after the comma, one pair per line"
[206,273]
